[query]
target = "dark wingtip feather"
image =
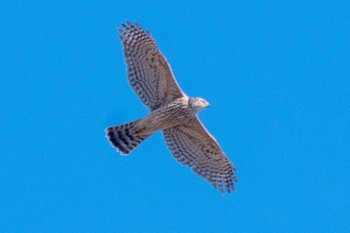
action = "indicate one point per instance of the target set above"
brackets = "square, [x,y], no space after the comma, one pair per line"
[129,24]
[137,25]
[124,26]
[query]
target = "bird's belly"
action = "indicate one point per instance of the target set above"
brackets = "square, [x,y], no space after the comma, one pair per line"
[163,120]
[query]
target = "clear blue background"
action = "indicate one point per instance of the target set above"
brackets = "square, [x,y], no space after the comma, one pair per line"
[277,75]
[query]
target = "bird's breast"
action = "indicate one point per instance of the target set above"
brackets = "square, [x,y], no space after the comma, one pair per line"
[168,116]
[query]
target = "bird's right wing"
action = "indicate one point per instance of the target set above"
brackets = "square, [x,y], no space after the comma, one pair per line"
[193,146]
[148,72]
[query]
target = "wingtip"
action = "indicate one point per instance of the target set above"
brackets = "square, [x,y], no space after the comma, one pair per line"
[124,26]
[128,23]
[138,26]
[224,187]
[235,179]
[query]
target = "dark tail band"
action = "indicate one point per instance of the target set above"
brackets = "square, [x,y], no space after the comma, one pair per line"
[123,138]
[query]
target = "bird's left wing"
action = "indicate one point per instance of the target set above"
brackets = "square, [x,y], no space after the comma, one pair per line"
[193,146]
[148,72]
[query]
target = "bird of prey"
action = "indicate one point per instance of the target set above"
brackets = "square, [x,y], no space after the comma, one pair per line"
[171,111]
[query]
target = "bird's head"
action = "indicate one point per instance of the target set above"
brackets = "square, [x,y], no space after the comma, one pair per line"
[198,104]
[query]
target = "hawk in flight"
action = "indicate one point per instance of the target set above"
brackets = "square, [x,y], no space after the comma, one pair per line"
[171,111]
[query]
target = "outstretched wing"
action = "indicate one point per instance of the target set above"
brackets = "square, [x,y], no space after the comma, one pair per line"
[148,72]
[193,146]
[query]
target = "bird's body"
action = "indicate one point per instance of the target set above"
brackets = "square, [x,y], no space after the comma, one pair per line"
[177,112]
[171,111]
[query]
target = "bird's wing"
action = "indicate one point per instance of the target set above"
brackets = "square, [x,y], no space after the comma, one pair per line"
[193,146]
[148,72]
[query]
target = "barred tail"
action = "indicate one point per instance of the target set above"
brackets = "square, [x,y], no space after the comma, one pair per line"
[124,138]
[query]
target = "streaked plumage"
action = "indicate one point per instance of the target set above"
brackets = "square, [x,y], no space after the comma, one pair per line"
[171,111]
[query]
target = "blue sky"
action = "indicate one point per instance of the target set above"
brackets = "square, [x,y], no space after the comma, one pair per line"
[277,75]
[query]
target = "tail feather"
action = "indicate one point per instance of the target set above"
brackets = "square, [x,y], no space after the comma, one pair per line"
[124,138]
